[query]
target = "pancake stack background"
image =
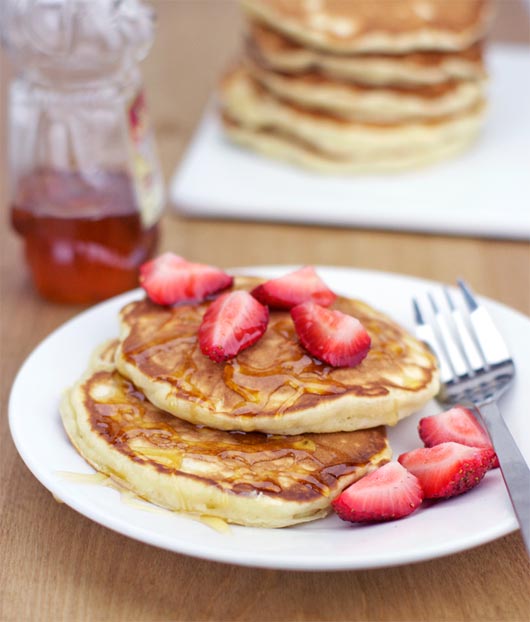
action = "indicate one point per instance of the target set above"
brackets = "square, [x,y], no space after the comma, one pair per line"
[347,86]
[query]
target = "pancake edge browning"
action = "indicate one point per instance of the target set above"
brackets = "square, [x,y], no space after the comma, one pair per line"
[372,37]
[385,104]
[356,414]
[288,148]
[245,102]
[274,51]
[188,493]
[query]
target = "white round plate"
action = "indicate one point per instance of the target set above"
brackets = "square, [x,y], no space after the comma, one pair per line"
[436,529]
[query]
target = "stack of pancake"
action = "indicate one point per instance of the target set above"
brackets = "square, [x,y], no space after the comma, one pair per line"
[268,438]
[358,85]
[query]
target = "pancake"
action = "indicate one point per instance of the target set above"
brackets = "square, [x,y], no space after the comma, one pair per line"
[356,102]
[250,479]
[275,386]
[367,145]
[288,148]
[276,52]
[388,26]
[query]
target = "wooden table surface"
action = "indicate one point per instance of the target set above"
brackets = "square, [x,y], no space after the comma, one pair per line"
[58,565]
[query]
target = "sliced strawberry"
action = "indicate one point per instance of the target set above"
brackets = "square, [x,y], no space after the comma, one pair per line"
[294,288]
[458,425]
[331,336]
[386,494]
[448,469]
[233,322]
[169,279]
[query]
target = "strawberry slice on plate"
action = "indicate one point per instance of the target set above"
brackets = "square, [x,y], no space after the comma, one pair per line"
[330,335]
[233,322]
[170,279]
[448,469]
[458,425]
[389,493]
[293,289]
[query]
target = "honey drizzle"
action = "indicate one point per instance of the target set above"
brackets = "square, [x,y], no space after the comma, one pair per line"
[292,464]
[93,479]
[215,523]
[279,386]
[134,501]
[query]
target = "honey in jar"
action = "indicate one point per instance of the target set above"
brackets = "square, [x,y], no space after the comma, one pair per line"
[83,242]
[86,188]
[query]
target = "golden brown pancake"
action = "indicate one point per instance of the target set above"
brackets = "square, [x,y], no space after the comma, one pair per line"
[287,147]
[274,51]
[273,126]
[389,26]
[275,386]
[314,91]
[246,478]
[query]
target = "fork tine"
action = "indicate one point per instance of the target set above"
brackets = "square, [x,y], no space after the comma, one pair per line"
[483,388]
[456,360]
[467,294]
[425,333]
[470,351]
[488,338]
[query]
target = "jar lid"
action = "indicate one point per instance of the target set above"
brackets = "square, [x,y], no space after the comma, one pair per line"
[76,41]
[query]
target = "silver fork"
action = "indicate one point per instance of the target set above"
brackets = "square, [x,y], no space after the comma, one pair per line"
[476,367]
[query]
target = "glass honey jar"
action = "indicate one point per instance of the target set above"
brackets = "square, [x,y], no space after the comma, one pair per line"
[86,189]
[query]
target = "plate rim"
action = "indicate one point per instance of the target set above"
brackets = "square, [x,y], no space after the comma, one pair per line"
[242,558]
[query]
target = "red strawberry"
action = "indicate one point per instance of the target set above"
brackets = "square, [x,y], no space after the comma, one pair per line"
[458,425]
[386,494]
[448,469]
[294,288]
[331,336]
[169,279]
[232,323]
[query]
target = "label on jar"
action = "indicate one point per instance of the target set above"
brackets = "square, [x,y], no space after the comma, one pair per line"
[144,163]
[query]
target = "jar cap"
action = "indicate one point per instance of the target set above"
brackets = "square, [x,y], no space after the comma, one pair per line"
[76,40]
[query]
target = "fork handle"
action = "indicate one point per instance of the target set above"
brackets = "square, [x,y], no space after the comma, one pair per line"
[514,468]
